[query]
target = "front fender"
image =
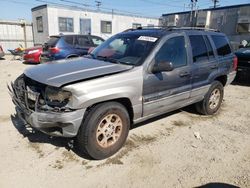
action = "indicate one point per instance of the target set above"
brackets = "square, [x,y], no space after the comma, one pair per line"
[122,85]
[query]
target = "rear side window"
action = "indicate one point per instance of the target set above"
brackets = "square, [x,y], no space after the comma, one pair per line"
[83,41]
[209,47]
[69,40]
[222,45]
[173,51]
[199,48]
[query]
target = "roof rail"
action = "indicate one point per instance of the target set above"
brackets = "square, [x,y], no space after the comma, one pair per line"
[169,28]
[196,28]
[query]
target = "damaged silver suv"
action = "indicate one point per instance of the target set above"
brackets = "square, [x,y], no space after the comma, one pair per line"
[133,76]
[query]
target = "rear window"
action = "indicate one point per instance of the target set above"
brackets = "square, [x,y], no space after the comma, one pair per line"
[52,41]
[222,45]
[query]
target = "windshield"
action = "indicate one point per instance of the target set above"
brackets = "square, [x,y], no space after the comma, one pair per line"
[52,41]
[125,49]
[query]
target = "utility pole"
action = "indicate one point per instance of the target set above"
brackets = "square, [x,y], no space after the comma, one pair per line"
[193,5]
[98,4]
[215,3]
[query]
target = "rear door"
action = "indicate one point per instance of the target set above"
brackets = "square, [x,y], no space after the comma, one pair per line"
[82,45]
[164,91]
[205,64]
[224,53]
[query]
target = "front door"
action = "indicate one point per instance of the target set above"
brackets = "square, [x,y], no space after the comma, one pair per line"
[85,26]
[164,91]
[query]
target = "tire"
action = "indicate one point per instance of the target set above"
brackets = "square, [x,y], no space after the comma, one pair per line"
[104,130]
[212,100]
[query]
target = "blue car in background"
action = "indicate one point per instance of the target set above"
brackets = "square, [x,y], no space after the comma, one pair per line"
[68,46]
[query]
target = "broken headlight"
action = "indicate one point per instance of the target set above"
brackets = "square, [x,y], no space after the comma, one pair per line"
[57,97]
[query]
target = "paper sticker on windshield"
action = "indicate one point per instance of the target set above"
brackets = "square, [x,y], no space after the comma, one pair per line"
[147,38]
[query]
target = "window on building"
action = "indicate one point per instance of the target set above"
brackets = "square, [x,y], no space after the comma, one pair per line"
[66,24]
[136,25]
[151,25]
[39,24]
[199,48]
[106,26]
[222,45]
[243,27]
[173,51]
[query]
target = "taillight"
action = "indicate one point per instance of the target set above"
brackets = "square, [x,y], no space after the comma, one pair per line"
[235,63]
[1,49]
[54,50]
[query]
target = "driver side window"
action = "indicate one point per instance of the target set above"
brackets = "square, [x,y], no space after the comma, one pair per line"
[174,51]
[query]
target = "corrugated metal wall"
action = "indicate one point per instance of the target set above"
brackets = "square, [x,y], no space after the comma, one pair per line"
[13,33]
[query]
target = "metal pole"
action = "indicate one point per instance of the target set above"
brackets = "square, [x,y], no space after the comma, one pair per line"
[25,37]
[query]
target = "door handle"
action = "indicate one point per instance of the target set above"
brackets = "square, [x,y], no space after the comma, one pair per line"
[184,74]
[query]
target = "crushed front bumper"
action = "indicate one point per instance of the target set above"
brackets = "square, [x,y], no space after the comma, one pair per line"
[65,124]
[55,124]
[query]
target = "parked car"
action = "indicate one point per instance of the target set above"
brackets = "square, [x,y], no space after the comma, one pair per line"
[131,77]
[243,73]
[68,46]
[1,52]
[32,55]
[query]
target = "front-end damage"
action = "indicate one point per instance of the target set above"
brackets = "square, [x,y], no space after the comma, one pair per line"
[45,108]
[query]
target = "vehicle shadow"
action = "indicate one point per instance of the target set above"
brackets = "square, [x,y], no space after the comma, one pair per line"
[241,83]
[35,136]
[1,58]
[29,63]
[217,185]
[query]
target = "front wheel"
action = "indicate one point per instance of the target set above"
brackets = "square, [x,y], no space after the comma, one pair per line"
[212,100]
[104,130]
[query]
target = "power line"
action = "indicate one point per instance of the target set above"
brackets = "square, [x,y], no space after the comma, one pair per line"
[87,5]
[98,4]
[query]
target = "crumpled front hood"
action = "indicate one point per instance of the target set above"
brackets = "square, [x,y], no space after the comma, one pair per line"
[58,73]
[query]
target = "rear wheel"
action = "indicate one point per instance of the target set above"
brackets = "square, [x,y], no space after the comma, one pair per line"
[212,100]
[104,130]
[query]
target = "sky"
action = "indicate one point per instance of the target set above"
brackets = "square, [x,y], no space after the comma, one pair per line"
[21,9]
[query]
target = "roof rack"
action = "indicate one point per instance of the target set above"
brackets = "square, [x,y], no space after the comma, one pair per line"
[196,28]
[169,28]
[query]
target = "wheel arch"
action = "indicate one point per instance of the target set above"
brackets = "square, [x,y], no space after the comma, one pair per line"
[123,101]
[72,55]
[222,79]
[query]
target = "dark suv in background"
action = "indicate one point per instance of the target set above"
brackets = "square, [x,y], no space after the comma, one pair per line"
[68,46]
[243,73]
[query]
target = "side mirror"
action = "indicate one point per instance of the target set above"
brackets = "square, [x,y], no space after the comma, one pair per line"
[162,67]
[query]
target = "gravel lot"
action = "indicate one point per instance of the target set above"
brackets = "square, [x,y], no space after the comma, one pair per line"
[179,149]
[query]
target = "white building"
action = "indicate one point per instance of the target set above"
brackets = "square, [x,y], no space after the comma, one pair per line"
[52,20]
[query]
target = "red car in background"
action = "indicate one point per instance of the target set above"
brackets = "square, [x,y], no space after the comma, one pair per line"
[32,55]
[1,52]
